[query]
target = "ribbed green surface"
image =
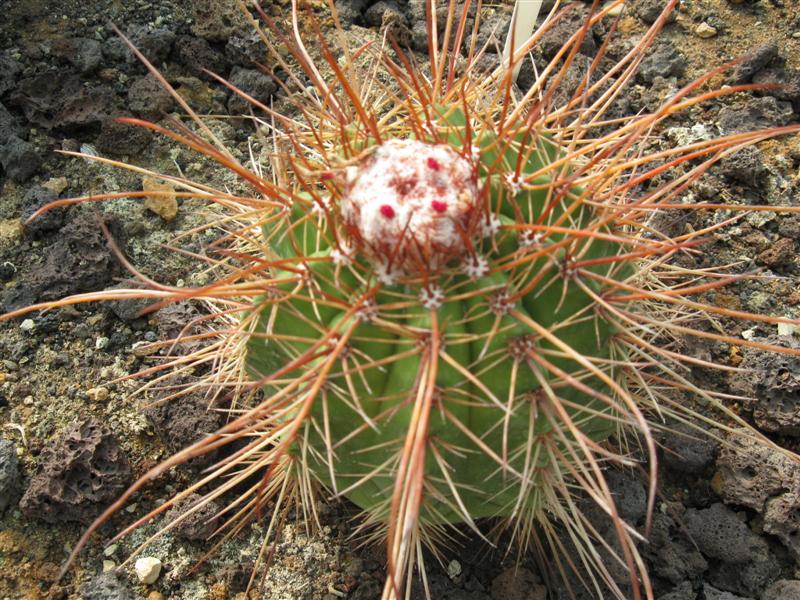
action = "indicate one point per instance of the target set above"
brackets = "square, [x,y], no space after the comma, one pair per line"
[304,311]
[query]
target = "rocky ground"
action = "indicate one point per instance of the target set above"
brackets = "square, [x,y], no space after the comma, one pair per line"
[728,520]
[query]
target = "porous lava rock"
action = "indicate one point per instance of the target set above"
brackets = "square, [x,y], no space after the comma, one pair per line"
[753,475]
[105,586]
[60,100]
[686,450]
[664,61]
[81,472]
[10,480]
[78,260]
[748,473]
[148,98]
[517,583]
[197,526]
[771,382]
[182,421]
[672,555]
[720,534]
[783,589]
[757,113]
[255,84]
[216,21]
[35,198]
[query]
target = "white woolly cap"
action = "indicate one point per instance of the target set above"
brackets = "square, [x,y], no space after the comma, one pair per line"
[412,204]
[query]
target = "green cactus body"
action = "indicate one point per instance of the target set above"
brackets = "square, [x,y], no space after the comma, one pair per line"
[484,458]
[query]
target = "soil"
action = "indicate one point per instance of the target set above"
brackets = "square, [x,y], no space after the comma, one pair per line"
[727,522]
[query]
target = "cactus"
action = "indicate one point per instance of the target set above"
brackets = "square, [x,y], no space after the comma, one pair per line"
[449,303]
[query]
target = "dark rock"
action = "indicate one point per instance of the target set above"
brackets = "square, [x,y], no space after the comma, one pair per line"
[419,36]
[81,331]
[61,100]
[778,254]
[772,380]
[560,31]
[417,9]
[81,472]
[9,70]
[664,61]
[629,494]
[245,49]
[575,76]
[105,586]
[755,60]
[182,421]
[712,593]
[518,583]
[10,479]
[376,13]
[121,139]
[79,260]
[746,579]
[394,26]
[687,450]
[89,107]
[782,519]
[746,166]
[128,310]
[9,126]
[492,33]
[255,84]
[196,54]
[84,54]
[19,159]
[789,226]
[199,525]
[442,588]
[649,10]
[52,220]
[41,96]
[148,98]
[673,557]
[349,12]
[7,271]
[783,589]
[787,82]
[758,113]
[176,320]
[115,51]
[155,44]
[719,534]
[682,591]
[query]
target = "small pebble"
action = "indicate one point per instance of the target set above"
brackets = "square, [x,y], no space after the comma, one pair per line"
[163,202]
[97,394]
[453,569]
[148,569]
[704,30]
[101,343]
[110,550]
[27,325]
[56,184]
[109,565]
